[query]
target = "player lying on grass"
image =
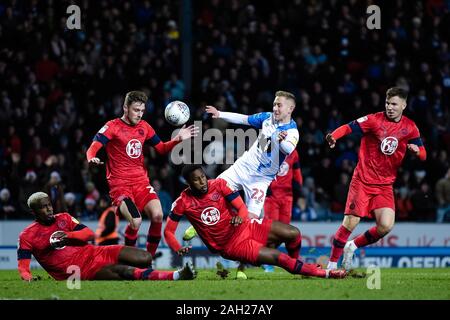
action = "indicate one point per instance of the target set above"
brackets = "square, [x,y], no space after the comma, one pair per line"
[59,241]
[209,206]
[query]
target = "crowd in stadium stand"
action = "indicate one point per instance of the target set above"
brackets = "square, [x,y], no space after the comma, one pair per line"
[59,86]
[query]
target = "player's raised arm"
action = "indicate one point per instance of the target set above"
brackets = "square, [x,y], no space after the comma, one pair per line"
[171,227]
[231,117]
[346,129]
[171,240]
[415,145]
[92,152]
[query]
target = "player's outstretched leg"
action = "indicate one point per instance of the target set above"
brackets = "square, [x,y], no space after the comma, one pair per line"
[340,239]
[385,222]
[296,266]
[123,272]
[290,235]
[154,212]
[128,210]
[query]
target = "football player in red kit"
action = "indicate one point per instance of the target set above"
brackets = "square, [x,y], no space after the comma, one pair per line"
[58,242]
[279,198]
[210,206]
[127,176]
[386,137]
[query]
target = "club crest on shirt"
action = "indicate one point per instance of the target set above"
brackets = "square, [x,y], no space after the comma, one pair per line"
[134,148]
[210,216]
[62,224]
[141,132]
[389,145]
[215,196]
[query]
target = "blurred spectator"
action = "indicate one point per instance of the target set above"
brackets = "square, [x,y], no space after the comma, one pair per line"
[443,198]
[303,212]
[423,204]
[90,212]
[403,204]
[71,205]
[91,191]
[55,190]
[28,186]
[7,207]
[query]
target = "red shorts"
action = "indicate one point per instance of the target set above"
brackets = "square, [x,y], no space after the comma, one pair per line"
[94,258]
[246,243]
[278,209]
[140,193]
[363,198]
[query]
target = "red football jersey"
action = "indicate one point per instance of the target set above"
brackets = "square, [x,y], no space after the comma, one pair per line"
[383,146]
[36,239]
[210,214]
[283,182]
[124,146]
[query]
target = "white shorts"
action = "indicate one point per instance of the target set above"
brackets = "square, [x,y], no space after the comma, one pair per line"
[253,183]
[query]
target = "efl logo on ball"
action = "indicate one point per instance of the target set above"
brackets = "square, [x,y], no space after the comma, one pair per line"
[177,113]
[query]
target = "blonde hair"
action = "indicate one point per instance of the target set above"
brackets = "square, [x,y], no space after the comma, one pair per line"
[285,94]
[34,198]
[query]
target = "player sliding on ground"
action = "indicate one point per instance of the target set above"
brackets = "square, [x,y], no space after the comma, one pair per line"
[59,241]
[209,206]
[256,168]
[386,137]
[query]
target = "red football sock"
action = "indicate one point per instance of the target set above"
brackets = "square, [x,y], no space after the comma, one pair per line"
[130,236]
[299,267]
[368,237]
[161,275]
[293,247]
[339,241]
[153,237]
[150,274]
[137,273]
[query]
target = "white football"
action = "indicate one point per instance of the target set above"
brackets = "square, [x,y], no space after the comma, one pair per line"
[177,113]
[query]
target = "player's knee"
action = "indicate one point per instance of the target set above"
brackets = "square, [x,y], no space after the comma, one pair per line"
[135,223]
[157,217]
[294,233]
[384,228]
[145,257]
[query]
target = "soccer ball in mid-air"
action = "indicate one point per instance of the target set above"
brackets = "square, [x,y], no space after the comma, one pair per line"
[177,113]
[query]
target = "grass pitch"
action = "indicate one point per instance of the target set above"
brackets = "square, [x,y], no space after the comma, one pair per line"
[400,284]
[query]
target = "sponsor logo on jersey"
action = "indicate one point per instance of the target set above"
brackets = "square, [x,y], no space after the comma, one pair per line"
[134,148]
[210,216]
[284,168]
[389,145]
